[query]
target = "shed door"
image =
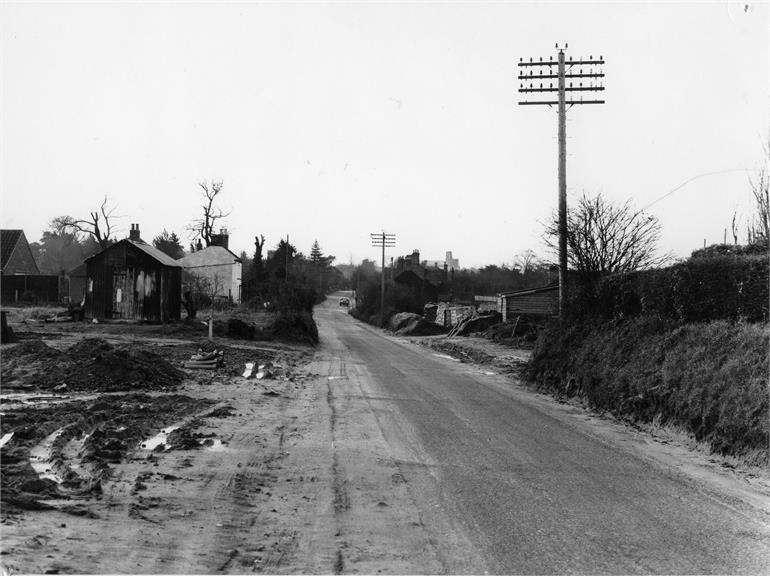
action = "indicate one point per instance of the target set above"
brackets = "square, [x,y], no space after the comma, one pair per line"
[123,293]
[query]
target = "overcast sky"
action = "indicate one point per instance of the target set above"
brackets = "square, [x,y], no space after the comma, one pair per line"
[332,121]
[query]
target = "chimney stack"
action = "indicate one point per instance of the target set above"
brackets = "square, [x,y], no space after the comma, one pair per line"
[222,239]
[134,234]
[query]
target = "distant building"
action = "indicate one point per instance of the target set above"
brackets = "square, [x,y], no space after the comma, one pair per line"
[217,266]
[541,301]
[15,253]
[132,280]
[448,261]
[20,276]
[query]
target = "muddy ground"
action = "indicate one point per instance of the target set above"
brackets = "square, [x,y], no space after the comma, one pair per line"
[97,420]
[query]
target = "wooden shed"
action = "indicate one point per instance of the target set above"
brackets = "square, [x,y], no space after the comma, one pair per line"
[132,280]
[535,301]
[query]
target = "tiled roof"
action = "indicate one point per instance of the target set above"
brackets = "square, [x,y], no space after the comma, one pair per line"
[8,241]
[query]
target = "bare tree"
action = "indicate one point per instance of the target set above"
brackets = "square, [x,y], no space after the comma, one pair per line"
[526,260]
[204,227]
[759,229]
[99,226]
[603,238]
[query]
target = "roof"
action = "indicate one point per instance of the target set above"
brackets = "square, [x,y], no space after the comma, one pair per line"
[209,256]
[159,255]
[8,241]
[548,288]
[152,251]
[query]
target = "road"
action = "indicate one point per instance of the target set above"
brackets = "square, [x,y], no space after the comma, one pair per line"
[503,481]
[385,457]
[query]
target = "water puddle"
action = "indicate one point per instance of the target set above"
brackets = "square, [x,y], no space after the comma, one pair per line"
[30,398]
[447,357]
[160,438]
[5,439]
[40,458]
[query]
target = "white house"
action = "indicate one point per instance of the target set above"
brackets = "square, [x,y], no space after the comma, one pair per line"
[215,267]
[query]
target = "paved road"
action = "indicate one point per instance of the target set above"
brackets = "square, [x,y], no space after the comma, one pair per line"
[504,482]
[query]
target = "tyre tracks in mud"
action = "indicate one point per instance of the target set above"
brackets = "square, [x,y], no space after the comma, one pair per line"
[374,522]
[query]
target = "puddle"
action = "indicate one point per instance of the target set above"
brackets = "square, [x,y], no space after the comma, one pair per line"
[27,398]
[5,439]
[160,438]
[40,458]
[447,357]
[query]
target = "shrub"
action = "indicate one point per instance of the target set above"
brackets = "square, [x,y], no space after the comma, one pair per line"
[710,379]
[295,327]
[698,290]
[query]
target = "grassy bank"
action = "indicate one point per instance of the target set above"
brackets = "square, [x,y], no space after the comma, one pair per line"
[710,379]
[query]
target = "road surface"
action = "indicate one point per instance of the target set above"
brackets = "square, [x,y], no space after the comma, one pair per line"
[386,457]
[504,481]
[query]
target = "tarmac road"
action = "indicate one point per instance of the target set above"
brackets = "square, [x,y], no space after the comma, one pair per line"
[506,481]
[382,456]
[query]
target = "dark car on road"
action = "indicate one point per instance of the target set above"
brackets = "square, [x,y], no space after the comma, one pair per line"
[344,301]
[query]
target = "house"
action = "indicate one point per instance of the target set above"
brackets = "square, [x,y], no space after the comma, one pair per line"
[15,253]
[20,277]
[534,301]
[133,280]
[214,270]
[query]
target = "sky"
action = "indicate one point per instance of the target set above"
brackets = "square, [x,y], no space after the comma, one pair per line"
[331,121]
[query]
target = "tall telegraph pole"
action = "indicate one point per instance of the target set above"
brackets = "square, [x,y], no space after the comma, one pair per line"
[383,240]
[534,76]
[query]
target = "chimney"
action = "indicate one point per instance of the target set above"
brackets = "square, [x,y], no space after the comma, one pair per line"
[222,239]
[134,234]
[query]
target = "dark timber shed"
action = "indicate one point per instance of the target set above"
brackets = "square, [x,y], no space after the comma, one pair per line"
[132,280]
[543,301]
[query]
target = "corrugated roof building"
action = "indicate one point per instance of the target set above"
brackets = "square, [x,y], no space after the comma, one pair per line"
[132,280]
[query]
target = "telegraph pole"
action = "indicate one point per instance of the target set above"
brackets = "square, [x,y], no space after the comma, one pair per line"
[382,240]
[531,75]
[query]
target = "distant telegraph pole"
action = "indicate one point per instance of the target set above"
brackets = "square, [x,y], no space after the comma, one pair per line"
[382,240]
[538,77]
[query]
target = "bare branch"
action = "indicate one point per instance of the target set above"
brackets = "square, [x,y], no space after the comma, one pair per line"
[204,227]
[606,239]
[92,226]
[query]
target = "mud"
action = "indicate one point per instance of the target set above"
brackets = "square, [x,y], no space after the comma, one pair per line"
[66,451]
[93,364]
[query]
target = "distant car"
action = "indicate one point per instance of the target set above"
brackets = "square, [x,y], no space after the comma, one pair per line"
[344,301]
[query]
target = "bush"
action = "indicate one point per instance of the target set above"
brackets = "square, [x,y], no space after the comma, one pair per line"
[698,290]
[295,327]
[710,379]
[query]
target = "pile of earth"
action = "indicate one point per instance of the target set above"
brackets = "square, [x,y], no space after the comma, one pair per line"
[92,436]
[409,324]
[91,364]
